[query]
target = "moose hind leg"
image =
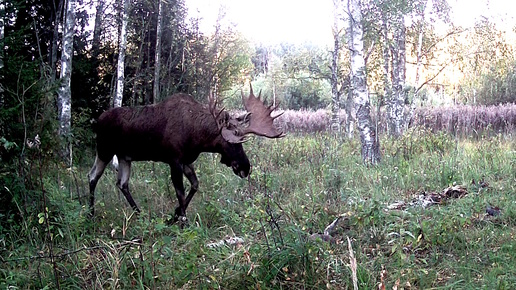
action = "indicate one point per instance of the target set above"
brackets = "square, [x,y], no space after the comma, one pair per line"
[93,177]
[124,172]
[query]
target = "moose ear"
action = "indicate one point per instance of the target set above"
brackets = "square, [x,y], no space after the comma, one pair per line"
[232,136]
[244,119]
[223,119]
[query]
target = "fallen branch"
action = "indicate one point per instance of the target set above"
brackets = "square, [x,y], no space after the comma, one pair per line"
[232,241]
[425,200]
[353,265]
[327,235]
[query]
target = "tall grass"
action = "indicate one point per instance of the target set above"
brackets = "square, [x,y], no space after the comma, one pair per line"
[298,186]
[460,120]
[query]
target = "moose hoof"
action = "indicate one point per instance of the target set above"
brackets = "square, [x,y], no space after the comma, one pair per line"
[182,221]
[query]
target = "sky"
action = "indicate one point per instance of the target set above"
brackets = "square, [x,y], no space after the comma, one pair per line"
[298,21]
[502,12]
[270,21]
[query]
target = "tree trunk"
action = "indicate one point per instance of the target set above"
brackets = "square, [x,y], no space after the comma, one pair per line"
[350,103]
[117,102]
[64,92]
[2,48]
[397,101]
[335,100]
[137,89]
[386,58]
[368,137]
[157,61]
[55,38]
[173,59]
[97,30]
[148,97]
[350,114]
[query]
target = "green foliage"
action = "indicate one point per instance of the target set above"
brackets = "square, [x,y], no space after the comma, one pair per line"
[490,66]
[297,75]
[418,140]
[496,85]
[306,93]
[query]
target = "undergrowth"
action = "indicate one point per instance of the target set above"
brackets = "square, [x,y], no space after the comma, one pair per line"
[298,186]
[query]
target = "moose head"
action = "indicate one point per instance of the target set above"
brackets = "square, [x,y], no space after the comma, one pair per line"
[257,120]
[175,131]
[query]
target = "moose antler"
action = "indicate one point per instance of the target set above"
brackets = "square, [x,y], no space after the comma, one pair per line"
[261,122]
[258,117]
[213,107]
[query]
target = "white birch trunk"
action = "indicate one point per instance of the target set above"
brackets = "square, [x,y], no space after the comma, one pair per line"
[368,138]
[335,100]
[350,115]
[157,60]
[64,92]
[2,48]
[418,54]
[122,46]
[350,103]
[396,109]
[117,102]
[386,59]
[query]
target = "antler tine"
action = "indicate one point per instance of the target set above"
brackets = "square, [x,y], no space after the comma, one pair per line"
[213,102]
[261,122]
[274,107]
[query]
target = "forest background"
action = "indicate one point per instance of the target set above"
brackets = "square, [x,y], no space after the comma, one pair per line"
[431,86]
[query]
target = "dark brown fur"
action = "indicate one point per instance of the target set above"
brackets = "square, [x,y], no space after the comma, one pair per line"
[174,131]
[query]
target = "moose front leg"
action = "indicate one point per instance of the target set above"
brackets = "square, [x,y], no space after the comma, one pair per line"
[176,174]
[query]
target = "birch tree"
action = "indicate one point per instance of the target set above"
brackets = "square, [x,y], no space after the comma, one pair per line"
[56,18]
[386,51]
[394,40]
[396,108]
[157,61]
[350,102]
[368,137]
[2,47]
[64,92]
[122,46]
[335,99]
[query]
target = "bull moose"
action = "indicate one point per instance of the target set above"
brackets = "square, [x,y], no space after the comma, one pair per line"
[175,131]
